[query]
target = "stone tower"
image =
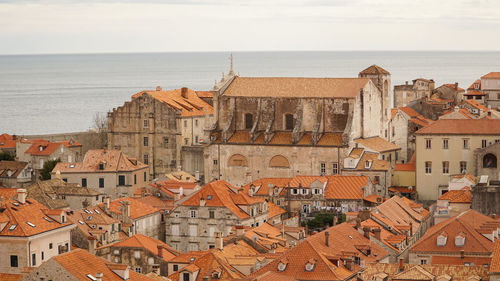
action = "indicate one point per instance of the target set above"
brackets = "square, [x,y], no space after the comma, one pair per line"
[382,79]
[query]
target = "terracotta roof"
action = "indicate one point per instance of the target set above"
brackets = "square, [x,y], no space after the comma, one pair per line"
[454,87]
[263,185]
[205,94]
[401,189]
[409,167]
[10,277]
[48,192]
[86,219]
[270,276]
[43,148]
[71,143]
[424,272]
[220,193]
[378,144]
[474,93]
[281,138]
[356,152]
[189,103]
[493,75]
[477,105]
[374,198]
[448,260]
[410,111]
[374,69]
[462,127]
[156,202]
[463,195]
[274,210]
[80,263]
[399,212]
[296,259]
[295,87]
[478,82]
[181,176]
[112,161]
[137,208]
[306,181]
[461,113]
[12,167]
[147,243]
[376,164]
[345,187]
[330,139]
[468,223]
[7,141]
[495,260]
[240,137]
[24,220]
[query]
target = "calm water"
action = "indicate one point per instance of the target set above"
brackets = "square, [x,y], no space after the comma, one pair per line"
[61,93]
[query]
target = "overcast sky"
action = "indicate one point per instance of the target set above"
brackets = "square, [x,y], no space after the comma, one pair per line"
[90,26]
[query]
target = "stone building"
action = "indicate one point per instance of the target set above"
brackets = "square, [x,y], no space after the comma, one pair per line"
[15,174]
[215,208]
[486,159]
[486,197]
[30,234]
[108,171]
[162,128]
[282,127]
[446,148]
[450,92]
[404,94]
[490,85]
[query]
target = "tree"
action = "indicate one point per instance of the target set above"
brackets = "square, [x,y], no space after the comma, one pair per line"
[100,129]
[47,168]
[6,156]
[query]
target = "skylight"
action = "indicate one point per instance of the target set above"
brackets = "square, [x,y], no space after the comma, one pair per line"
[80,222]
[96,211]
[72,165]
[47,219]
[30,224]
[209,197]
[12,227]
[91,277]
[15,204]
[88,212]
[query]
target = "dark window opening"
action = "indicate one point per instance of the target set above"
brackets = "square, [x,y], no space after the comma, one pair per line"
[489,161]
[289,122]
[248,121]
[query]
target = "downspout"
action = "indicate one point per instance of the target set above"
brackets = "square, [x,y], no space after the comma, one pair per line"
[218,161]
[29,254]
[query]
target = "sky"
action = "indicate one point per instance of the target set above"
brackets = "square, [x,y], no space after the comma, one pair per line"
[99,26]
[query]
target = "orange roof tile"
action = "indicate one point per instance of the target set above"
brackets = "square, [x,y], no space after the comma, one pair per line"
[80,263]
[281,138]
[240,137]
[45,148]
[374,69]
[491,75]
[374,198]
[474,93]
[112,161]
[463,195]
[409,167]
[448,260]
[330,139]
[462,127]
[263,185]
[10,277]
[137,208]
[148,243]
[7,141]
[274,210]
[345,187]
[11,169]
[424,272]
[477,105]
[495,260]
[378,144]
[295,87]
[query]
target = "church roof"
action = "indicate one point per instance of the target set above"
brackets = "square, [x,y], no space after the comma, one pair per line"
[374,69]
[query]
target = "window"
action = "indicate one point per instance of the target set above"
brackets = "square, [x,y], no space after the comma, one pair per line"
[445,143]
[185,123]
[165,142]
[423,261]
[145,177]
[146,123]
[101,182]
[193,230]
[192,213]
[121,180]
[14,261]
[43,255]
[483,143]
[248,121]
[185,276]
[175,229]
[138,270]
[446,167]
[196,122]
[176,267]
[51,245]
[489,161]
[295,191]
[146,159]
[323,168]
[335,168]
[196,139]
[33,259]
[466,143]
[186,141]
[396,156]
[428,143]
[146,140]
[463,167]
[84,182]
[393,132]
[428,167]
[215,162]
[65,179]
[289,122]
[211,214]
[135,179]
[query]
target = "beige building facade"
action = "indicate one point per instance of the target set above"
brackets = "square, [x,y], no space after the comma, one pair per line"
[446,148]
[420,88]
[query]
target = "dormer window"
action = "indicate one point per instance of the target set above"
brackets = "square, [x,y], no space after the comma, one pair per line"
[368,164]
[216,274]
[101,166]
[310,265]
[441,240]
[282,265]
[460,240]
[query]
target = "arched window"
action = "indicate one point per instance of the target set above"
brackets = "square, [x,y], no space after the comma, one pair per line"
[289,122]
[248,121]
[238,160]
[279,161]
[489,161]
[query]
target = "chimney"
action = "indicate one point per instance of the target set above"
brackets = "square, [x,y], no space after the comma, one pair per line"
[177,196]
[203,202]
[411,229]
[366,232]
[98,276]
[376,232]
[158,88]
[456,108]
[327,238]
[197,175]
[406,83]
[126,209]
[240,230]
[456,85]
[92,244]
[219,241]
[184,91]
[21,195]
[401,266]
[106,205]
[160,252]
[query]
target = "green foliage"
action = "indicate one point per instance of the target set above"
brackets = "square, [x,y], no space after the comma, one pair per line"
[47,168]
[321,221]
[6,156]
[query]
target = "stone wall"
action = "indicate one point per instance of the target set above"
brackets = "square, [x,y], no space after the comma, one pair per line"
[486,199]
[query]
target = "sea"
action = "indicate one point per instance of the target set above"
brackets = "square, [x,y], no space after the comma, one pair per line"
[48,94]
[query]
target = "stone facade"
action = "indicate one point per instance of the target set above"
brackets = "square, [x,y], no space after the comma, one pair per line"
[256,134]
[487,160]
